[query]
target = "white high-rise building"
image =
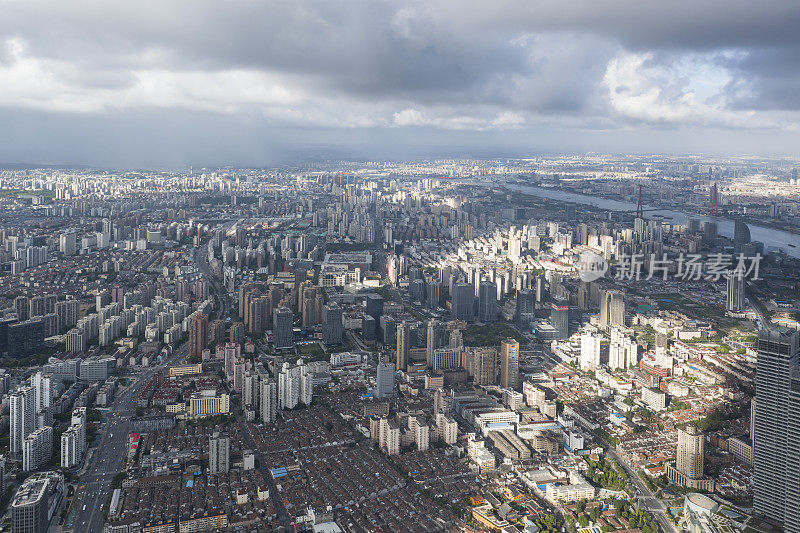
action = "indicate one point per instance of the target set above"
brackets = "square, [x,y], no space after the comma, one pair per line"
[37,449]
[43,384]
[66,243]
[735,291]
[268,401]
[623,352]
[219,449]
[590,351]
[79,421]
[295,385]
[22,405]
[250,390]
[70,447]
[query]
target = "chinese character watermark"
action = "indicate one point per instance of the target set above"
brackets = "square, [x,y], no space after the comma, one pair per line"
[687,267]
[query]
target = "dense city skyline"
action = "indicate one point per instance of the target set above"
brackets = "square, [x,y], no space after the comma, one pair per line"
[370,266]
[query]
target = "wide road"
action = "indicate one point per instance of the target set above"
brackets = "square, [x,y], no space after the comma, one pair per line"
[94,486]
[201,259]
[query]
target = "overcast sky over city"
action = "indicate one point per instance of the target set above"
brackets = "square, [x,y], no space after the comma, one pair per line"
[154,83]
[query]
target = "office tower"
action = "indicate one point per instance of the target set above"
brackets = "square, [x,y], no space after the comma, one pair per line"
[463,302]
[37,449]
[791,520]
[332,324]
[485,366]
[268,401]
[219,448]
[741,233]
[434,294]
[29,507]
[590,351]
[487,301]
[709,231]
[22,418]
[373,304]
[690,455]
[612,308]
[735,290]
[282,320]
[384,380]
[403,346]
[539,288]
[198,335]
[416,290]
[25,338]
[509,364]
[526,306]
[775,446]
[559,316]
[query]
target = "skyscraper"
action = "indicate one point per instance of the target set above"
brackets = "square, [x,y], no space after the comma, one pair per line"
[219,449]
[403,340]
[741,233]
[612,308]
[431,340]
[690,456]
[463,302]
[590,351]
[282,319]
[268,401]
[373,305]
[735,291]
[559,316]
[29,507]
[487,301]
[198,335]
[526,304]
[434,293]
[22,420]
[332,324]
[384,380]
[509,364]
[776,449]
[485,366]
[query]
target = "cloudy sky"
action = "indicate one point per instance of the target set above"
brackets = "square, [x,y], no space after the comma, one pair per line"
[179,82]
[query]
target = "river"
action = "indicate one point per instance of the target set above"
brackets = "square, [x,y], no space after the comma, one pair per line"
[772,238]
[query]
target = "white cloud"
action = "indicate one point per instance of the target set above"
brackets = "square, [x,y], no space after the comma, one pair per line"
[685,90]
